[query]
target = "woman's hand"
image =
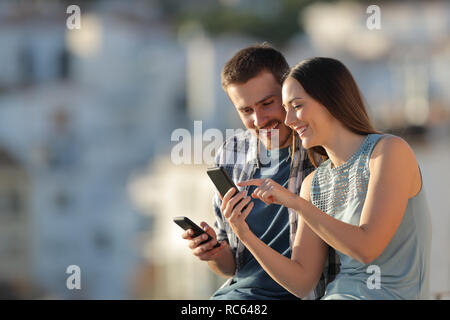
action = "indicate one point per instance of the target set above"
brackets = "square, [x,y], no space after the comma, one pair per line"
[234,213]
[270,192]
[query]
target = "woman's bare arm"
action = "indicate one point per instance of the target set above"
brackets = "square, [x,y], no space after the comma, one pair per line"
[393,178]
[300,274]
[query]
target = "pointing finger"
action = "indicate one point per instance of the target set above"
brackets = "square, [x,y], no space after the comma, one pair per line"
[251,182]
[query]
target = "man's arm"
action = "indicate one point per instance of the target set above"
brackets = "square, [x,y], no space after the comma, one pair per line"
[224,264]
[221,260]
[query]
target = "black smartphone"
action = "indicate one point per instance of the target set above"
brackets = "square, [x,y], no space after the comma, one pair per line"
[223,182]
[186,223]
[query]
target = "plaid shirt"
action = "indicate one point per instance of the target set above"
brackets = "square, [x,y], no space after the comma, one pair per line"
[239,155]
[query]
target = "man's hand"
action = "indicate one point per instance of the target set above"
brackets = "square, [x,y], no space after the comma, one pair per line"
[205,251]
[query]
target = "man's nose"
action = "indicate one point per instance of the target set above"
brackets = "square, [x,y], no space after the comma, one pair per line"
[260,119]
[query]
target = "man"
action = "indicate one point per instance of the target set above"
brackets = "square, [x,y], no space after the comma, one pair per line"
[252,80]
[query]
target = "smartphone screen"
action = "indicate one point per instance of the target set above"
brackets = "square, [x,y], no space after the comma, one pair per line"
[186,223]
[222,181]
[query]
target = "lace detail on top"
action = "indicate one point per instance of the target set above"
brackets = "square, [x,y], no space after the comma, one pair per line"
[333,188]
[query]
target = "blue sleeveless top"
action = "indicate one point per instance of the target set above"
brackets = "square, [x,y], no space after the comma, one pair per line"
[402,269]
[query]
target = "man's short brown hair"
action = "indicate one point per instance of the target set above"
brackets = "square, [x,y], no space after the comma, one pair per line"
[249,62]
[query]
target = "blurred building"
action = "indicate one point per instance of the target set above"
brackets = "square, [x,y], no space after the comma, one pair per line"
[80,115]
[15,230]
[399,68]
[165,191]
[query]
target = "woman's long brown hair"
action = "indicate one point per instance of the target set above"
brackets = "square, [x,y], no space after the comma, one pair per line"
[330,83]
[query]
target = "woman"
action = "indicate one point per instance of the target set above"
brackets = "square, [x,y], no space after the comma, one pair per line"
[365,199]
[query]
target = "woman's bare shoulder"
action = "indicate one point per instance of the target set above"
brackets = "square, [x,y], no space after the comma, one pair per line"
[393,156]
[393,147]
[306,186]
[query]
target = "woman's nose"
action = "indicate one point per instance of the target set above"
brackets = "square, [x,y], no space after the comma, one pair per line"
[291,118]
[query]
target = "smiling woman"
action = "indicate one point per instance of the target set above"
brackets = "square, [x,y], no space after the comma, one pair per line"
[365,200]
[334,98]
